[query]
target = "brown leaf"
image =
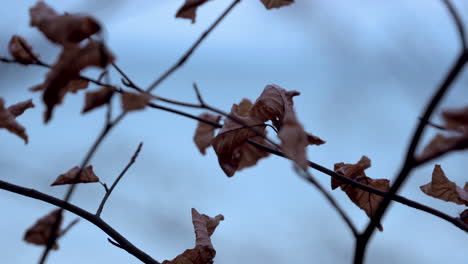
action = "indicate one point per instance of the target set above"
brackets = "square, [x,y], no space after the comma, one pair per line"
[189,9]
[352,171]
[204,251]
[8,115]
[71,61]
[95,99]
[456,119]
[272,104]
[269,4]
[204,133]
[21,50]
[442,188]
[365,200]
[62,29]
[134,101]
[314,140]
[441,144]
[75,85]
[40,232]
[86,176]
[294,140]
[231,147]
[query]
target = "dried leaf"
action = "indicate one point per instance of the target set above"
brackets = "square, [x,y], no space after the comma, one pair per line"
[95,99]
[8,115]
[365,200]
[442,188]
[294,140]
[441,144]
[134,101]
[40,232]
[314,140]
[231,146]
[269,4]
[352,171]
[204,251]
[189,9]
[456,119]
[21,50]
[75,85]
[204,133]
[86,176]
[71,61]
[272,104]
[62,29]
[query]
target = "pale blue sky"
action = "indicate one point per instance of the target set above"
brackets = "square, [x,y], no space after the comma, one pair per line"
[365,70]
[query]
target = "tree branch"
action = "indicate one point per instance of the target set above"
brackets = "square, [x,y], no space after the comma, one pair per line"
[106,228]
[458,22]
[109,191]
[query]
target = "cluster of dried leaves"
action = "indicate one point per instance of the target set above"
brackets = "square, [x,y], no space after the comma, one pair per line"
[247,121]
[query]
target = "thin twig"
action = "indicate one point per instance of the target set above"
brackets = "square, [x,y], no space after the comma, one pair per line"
[189,52]
[122,173]
[308,177]
[98,222]
[70,225]
[409,162]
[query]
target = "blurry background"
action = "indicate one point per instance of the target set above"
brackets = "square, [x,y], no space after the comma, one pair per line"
[365,70]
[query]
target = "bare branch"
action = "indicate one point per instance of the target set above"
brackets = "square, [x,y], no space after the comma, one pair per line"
[70,225]
[108,192]
[458,22]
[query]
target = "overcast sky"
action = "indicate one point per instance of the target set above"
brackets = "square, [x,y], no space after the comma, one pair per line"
[365,70]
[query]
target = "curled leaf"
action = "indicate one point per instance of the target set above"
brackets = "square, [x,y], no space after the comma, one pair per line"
[134,101]
[441,144]
[442,188]
[273,104]
[95,99]
[269,4]
[40,232]
[62,29]
[294,140]
[189,9]
[70,177]
[231,145]
[8,115]
[204,133]
[64,72]
[367,201]
[21,50]
[204,251]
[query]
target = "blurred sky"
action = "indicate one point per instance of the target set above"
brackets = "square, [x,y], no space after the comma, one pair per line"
[365,70]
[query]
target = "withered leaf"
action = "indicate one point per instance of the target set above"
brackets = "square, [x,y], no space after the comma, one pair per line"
[456,119]
[294,140]
[351,171]
[21,50]
[442,188]
[62,29]
[269,4]
[441,144]
[134,101]
[86,176]
[365,200]
[8,115]
[95,99]
[272,104]
[230,145]
[314,140]
[204,133]
[189,9]
[75,85]
[40,232]
[204,251]
[71,61]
